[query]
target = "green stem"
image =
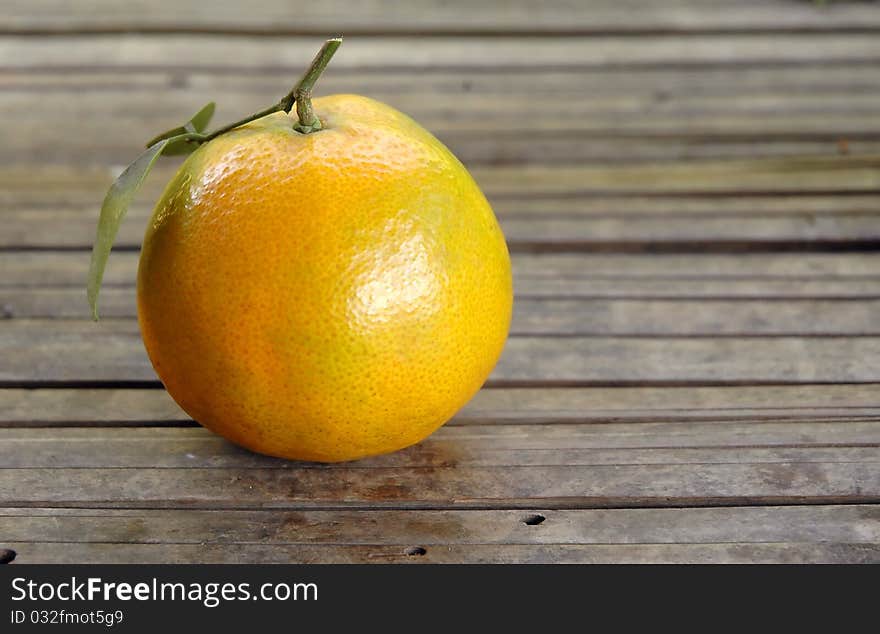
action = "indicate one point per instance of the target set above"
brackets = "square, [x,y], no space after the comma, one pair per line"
[232,126]
[300,94]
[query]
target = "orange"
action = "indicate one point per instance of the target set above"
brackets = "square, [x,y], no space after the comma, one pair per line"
[324,296]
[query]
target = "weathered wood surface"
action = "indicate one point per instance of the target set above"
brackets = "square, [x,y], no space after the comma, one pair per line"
[375,17]
[818,441]
[695,353]
[606,99]
[727,553]
[457,486]
[532,272]
[552,223]
[551,316]
[800,403]
[176,53]
[828,534]
[852,524]
[49,351]
[50,184]
[487,127]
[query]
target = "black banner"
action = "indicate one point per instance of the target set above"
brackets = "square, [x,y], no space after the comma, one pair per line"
[133,598]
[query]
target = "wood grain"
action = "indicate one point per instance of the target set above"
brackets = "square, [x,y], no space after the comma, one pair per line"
[649,485]
[852,524]
[730,553]
[843,441]
[692,373]
[687,98]
[65,269]
[546,316]
[480,128]
[51,185]
[771,276]
[453,453]
[764,276]
[597,16]
[796,403]
[560,224]
[666,86]
[115,295]
[289,53]
[35,351]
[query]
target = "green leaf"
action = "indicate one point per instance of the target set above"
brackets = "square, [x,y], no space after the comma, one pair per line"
[202,118]
[116,203]
[181,146]
[197,123]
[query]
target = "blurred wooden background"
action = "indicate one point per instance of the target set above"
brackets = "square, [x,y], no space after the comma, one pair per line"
[691,193]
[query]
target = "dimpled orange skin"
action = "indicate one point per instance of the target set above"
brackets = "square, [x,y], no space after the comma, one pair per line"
[324,296]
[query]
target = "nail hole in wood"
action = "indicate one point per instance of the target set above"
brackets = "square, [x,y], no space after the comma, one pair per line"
[533,520]
[416,551]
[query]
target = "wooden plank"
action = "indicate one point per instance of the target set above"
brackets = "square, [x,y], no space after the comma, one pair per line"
[570,223]
[784,552]
[571,444]
[615,234]
[115,300]
[69,268]
[667,207]
[760,176]
[660,98]
[743,275]
[445,453]
[585,207]
[507,147]
[36,351]
[291,53]
[597,16]
[113,124]
[684,287]
[792,267]
[704,360]
[665,85]
[694,317]
[584,92]
[505,105]
[850,524]
[504,135]
[673,140]
[51,185]
[586,219]
[598,486]
[132,407]
[543,316]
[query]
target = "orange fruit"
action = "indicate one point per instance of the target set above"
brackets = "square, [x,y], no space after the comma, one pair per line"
[324,296]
